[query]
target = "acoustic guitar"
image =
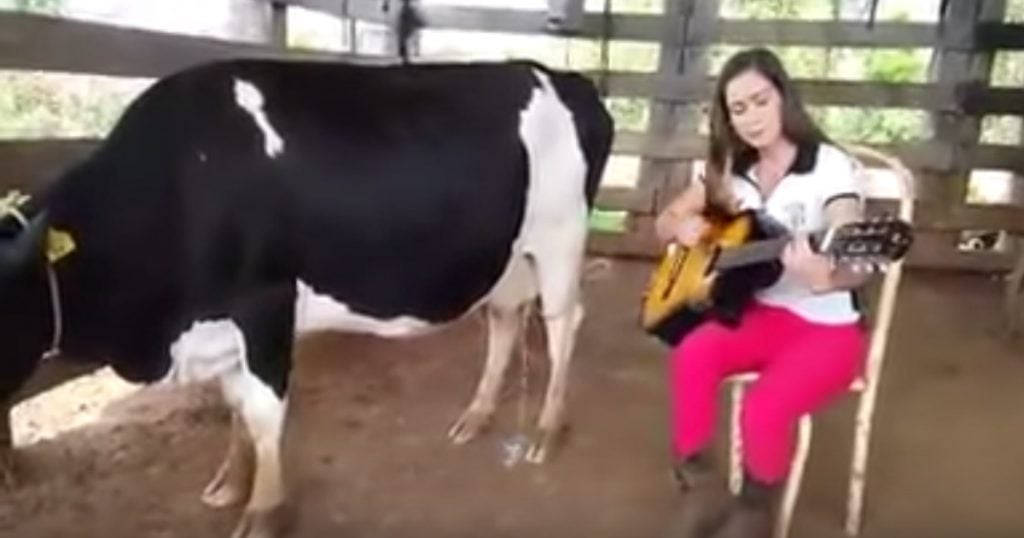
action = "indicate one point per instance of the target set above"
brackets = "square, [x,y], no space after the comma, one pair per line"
[740,255]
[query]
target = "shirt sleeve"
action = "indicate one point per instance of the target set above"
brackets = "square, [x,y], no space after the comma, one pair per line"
[839,178]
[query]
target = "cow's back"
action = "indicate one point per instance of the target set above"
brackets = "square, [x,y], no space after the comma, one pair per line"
[410,185]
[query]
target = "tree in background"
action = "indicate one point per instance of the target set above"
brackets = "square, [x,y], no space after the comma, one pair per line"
[43,105]
[47,7]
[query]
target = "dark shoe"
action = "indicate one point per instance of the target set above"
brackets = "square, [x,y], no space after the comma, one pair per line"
[753,513]
[705,500]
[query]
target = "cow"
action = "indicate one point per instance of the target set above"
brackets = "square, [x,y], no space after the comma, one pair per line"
[239,204]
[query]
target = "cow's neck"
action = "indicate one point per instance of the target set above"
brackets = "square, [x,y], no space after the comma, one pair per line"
[23,210]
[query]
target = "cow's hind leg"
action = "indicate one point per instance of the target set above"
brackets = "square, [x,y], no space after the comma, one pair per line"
[256,391]
[8,471]
[559,261]
[233,481]
[504,323]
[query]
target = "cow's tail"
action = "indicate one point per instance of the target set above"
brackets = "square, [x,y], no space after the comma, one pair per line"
[594,124]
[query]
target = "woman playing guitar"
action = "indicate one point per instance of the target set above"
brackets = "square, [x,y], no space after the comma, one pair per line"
[801,333]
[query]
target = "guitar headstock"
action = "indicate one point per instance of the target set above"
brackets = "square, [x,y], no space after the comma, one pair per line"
[869,245]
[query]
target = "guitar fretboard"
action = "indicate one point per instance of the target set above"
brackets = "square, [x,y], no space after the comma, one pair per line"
[758,251]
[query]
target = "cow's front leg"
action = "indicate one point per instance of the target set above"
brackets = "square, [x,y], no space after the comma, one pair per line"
[503,326]
[233,481]
[256,391]
[266,513]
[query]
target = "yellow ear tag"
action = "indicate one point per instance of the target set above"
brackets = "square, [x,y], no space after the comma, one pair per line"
[58,244]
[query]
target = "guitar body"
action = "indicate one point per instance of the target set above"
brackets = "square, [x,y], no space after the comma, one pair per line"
[685,289]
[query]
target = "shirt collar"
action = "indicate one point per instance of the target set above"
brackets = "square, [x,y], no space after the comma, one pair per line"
[804,162]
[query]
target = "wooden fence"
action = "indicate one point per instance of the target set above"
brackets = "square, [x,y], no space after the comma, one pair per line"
[956,97]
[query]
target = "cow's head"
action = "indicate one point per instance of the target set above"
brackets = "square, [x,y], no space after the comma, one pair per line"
[25,317]
[22,247]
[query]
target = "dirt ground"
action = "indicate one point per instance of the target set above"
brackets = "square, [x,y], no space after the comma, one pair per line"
[368,456]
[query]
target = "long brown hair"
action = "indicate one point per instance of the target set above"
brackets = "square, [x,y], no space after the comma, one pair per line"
[727,152]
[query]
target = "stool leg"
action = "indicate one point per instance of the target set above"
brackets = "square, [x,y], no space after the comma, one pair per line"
[735,440]
[795,479]
[858,468]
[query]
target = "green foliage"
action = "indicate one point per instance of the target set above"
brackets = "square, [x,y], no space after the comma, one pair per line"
[34,105]
[801,62]
[872,125]
[47,7]
[603,220]
[37,105]
[1014,11]
[1001,130]
[626,6]
[892,66]
[1008,69]
[629,113]
[778,9]
[586,54]
[879,65]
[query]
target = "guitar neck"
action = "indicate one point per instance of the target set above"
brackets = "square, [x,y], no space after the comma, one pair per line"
[758,251]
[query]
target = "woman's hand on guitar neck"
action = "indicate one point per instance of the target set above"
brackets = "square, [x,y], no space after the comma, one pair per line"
[813,269]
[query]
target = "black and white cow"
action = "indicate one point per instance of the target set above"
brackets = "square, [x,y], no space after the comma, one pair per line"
[238,204]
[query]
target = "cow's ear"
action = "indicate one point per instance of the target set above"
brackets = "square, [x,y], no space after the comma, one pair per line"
[28,245]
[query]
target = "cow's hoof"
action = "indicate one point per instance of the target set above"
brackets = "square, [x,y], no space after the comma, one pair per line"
[546,442]
[225,490]
[273,523]
[471,424]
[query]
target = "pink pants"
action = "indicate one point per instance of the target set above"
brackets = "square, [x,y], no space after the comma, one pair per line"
[802,366]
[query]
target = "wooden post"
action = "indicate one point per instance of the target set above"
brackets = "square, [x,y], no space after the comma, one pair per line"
[954,69]
[684,46]
[391,12]
[686,34]
[565,15]
[279,25]
[257,22]
[349,30]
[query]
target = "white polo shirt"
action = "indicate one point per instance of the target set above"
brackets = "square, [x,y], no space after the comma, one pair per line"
[818,176]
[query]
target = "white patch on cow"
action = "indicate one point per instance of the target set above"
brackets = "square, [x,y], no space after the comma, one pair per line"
[554,236]
[215,350]
[556,208]
[206,351]
[261,410]
[319,312]
[248,96]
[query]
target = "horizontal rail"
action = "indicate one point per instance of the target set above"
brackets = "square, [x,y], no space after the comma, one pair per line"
[35,42]
[651,27]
